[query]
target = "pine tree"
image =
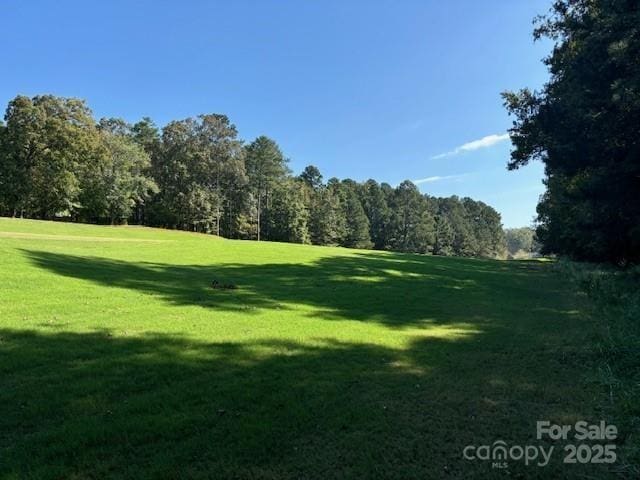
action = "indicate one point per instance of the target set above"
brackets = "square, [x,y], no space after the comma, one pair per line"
[266,167]
[357,232]
[324,219]
[376,208]
[287,218]
[444,236]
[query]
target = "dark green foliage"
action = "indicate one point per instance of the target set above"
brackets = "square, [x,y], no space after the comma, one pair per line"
[199,168]
[466,228]
[195,174]
[583,126]
[412,220]
[115,126]
[444,236]
[375,205]
[357,224]
[460,234]
[116,182]
[46,141]
[312,177]
[326,218]
[485,228]
[5,179]
[265,167]
[287,216]
[146,134]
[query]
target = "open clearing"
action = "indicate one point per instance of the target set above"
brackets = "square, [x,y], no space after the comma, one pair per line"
[118,359]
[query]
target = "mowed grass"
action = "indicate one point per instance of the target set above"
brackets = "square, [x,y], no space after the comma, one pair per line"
[118,360]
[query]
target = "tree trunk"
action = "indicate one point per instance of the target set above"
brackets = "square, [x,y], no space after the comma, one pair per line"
[258,215]
[218,203]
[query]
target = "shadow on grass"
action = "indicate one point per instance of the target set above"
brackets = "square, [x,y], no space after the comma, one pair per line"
[95,405]
[393,289]
[99,405]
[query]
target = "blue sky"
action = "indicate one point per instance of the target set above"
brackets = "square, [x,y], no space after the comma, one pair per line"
[362,89]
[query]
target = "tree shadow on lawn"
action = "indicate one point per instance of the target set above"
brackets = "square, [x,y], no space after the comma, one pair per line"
[94,405]
[392,289]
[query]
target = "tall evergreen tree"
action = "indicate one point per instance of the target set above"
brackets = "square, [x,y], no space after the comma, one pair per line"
[486,228]
[376,208]
[146,134]
[338,193]
[325,218]
[583,125]
[265,167]
[312,177]
[412,224]
[287,217]
[444,236]
[462,240]
[5,179]
[357,224]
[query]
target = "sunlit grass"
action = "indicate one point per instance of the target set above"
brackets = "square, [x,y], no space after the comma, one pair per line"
[118,359]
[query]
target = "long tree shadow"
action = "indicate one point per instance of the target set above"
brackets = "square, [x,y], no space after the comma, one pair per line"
[98,405]
[396,290]
[94,405]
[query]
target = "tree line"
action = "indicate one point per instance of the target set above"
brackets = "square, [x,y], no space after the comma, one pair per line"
[196,174]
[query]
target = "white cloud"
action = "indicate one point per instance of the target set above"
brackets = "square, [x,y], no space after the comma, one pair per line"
[438,178]
[484,142]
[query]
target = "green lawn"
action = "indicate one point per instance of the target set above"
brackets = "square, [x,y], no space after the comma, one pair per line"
[118,360]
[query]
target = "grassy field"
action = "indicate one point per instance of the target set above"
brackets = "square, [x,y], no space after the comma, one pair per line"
[118,359]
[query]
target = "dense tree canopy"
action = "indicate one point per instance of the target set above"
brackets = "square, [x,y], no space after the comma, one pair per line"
[195,174]
[266,167]
[521,241]
[585,126]
[200,165]
[115,184]
[45,143]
